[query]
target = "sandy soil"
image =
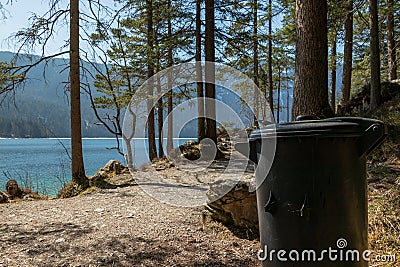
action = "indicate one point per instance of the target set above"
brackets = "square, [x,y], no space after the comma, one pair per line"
[116,227]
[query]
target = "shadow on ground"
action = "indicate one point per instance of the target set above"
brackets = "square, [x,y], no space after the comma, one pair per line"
[66,244]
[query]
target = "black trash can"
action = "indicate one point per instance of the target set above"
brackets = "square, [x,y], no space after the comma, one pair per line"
[312,203]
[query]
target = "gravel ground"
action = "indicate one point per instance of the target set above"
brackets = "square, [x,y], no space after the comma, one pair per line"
[116,227]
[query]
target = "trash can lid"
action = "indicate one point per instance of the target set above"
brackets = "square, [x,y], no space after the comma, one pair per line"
[305,126]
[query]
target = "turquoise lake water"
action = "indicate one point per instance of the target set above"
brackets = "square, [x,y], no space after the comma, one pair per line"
[43,163]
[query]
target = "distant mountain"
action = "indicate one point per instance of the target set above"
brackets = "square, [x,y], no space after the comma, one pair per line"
[41,107]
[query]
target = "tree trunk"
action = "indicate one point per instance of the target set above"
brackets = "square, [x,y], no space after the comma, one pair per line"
[78,169]
[150,72]
[278,106]
[209,47]
[391,42]
[287,96]
[201,126]
[287,105]
[348,54]
[129,156]
[170,134]
[160,119]
[170,140]
[333,74]
[270,81]
[311,67]
[375,57]
[255,64]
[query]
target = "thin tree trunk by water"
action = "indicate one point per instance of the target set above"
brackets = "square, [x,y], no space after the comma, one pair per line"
[201,127]
[78,169]
[170,134]
[210,71]
[150,72]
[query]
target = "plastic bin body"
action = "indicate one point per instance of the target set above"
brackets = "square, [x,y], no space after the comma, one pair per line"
[314,197]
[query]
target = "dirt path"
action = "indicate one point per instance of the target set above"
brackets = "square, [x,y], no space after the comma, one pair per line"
[115,227]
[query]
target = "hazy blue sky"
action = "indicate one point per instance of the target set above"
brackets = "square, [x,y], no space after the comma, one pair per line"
[17,17]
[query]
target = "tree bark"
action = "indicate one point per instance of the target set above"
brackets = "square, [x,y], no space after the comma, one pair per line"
[333,74]
[160,119]
[287,96]
[150,72]
[348,54]
[270,81]
[375,57]
[128,139]
[170,134]
[255,63]
[391,42]
[78,169]
[311,67]
[278,104]
[201,126]
[170,141]
[209,46]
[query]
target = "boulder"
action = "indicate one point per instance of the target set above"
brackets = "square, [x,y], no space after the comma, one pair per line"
[115,167]
[224,146]
[190,150]
[162,164]
[102,176]
[238,207]
[3,198]
[13,189]
[29,195]
[112,168]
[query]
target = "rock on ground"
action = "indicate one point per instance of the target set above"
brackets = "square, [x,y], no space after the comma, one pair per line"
[238,207]
[13,189]
[3,198]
